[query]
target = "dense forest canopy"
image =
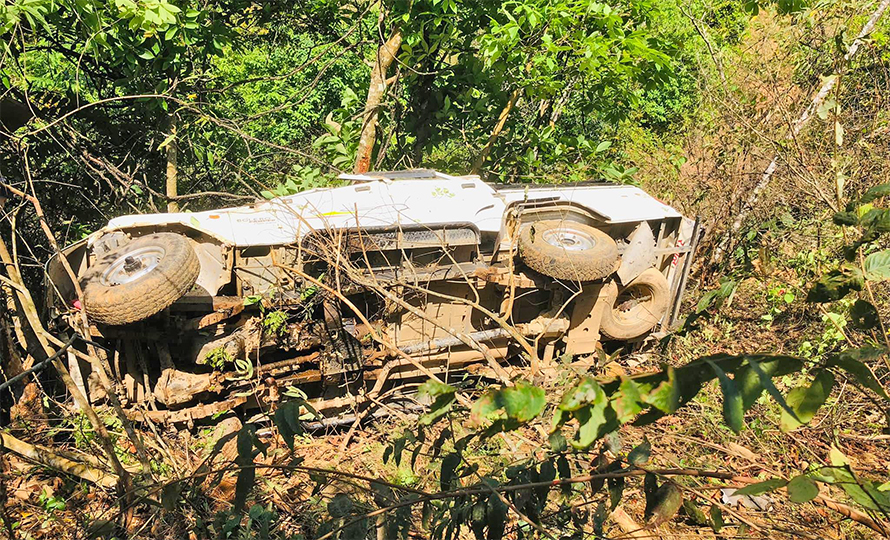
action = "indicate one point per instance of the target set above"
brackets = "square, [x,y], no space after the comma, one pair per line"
[241,97]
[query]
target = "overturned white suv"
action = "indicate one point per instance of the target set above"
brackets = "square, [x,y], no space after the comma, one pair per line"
[339,292]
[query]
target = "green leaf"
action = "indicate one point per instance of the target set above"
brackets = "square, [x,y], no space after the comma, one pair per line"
[877,266]
[666,396]
[805,401]
[443,398]
[863,315]
[508,408]
[716,515]
[640,454]
[600,465]
[876,220]
[101,528]
[170,495]
[748,381]
[667,501]
[849,362]
[585,391]
[770,388]
[762,487]
[846,218]
[170,138]
[194,221]
[862,491]
[599,519]
[603,146]
[836,284]
[876,192]
[733,407]
[287,420]
[447,479]
[802,489]
[496,518]
[616,491]
[627,402]
[243,485]
[591,419]
[558,442]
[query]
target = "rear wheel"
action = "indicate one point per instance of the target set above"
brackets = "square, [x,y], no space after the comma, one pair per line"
[637,308]
[567,250]
[139,279]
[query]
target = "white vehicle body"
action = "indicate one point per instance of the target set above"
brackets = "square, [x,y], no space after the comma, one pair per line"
[428,245]
[373,201]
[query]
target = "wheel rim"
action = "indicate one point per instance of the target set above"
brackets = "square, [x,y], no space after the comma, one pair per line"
[634,302]
[568,239]
[133,265]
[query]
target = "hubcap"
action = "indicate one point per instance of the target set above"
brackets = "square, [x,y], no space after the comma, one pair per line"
[568,239]
[133,265]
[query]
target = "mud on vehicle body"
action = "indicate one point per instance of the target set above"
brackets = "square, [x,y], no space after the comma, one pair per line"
[340,293]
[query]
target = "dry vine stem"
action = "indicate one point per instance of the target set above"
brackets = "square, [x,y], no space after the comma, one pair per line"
[796,128]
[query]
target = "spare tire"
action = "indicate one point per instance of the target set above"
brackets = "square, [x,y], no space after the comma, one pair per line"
[139,279]
[637,308]
[567,250]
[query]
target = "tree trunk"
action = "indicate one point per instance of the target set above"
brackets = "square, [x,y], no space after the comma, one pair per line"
[386,54]
[502,120]
[172,151]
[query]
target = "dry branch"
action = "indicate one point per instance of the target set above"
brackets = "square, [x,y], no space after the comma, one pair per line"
[796,128]
[502,120]
[44,456]
[30,312]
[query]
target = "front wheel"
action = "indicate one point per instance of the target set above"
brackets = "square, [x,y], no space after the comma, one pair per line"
[139,279]
[567,250]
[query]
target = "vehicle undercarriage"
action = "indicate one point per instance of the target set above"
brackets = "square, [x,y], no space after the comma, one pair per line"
[349,317]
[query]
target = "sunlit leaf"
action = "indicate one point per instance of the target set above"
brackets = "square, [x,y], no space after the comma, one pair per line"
[877,266]
[805,401]
[802,489]
[762,487]
[770,388]
[733,409]
[443,398]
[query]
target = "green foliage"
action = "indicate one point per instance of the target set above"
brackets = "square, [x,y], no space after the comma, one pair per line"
[340,144]
[301,178]
[50,503]
[806,401]
[275,322]
[218,358]
[443,396]
[506,409]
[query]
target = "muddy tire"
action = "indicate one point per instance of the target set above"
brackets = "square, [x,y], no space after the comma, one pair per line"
[637,308]
[139,279]
[567,250]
